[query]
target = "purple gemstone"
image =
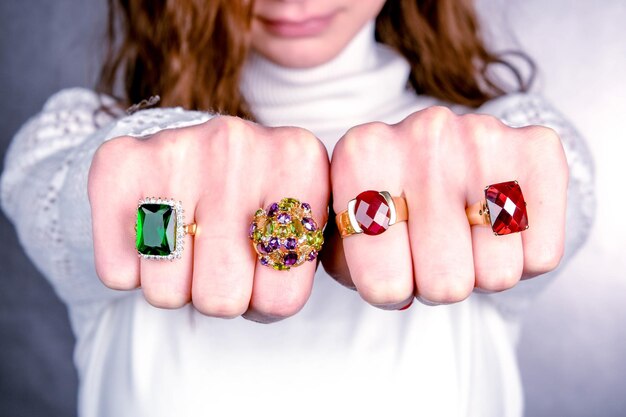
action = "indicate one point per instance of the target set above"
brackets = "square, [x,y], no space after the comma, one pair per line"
[306,206]
[290,258]
[284,218]
[312,255]
[272,209]
[262,248]
[273,244]
[264,261]
[291,243]
[252,229]
[309,224]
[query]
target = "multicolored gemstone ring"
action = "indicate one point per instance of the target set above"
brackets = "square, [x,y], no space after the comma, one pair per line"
[503,208]
[285,235]
[371,212]
[160,229]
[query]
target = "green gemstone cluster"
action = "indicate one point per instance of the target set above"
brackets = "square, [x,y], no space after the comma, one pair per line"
[285,235]
[159,229]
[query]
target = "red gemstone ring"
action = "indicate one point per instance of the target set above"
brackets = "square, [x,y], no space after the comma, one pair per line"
[371,212]
[503,208]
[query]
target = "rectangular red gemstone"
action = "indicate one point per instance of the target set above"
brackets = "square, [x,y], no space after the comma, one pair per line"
[507,208]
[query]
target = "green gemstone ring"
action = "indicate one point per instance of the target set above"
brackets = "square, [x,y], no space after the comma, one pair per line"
[160,229]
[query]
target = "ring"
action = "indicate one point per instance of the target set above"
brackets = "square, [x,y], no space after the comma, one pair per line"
[371,212]
[503,208]
[285,235]
[160,228]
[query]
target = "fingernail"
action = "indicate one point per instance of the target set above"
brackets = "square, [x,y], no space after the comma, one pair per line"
[406,306]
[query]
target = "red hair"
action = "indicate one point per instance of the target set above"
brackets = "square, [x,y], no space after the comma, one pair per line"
[170,47]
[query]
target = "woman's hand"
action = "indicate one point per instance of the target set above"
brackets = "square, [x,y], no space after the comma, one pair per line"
[441,163]
[222,170]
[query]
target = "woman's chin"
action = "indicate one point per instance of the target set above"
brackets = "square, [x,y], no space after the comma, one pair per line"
[300,53]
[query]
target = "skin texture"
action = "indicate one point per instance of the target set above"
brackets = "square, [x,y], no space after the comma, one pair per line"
[438,161]
[222,171]
[436,255]
[349,16]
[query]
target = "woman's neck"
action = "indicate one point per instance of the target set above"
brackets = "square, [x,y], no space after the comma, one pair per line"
[365,82]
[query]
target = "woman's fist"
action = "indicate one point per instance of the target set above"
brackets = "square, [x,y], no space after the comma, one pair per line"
[440,163]
[222,171]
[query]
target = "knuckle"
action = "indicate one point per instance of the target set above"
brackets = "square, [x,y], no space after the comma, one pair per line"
[221,307]
[164,299]
[482,122]
[288,304]
[544,260]
[541,133]
[301,145]
[434,116]
[113,276]
[375,132]
[227,125]
[385,292]
[113,151]
[229,134]
[446,287]
[118,283]
[481,130]
[363,139]
[361,146]
[220,298]
[498,279]
[543,146]
[426,127]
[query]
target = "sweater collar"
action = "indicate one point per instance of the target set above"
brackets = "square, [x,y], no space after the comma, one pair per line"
[363,82]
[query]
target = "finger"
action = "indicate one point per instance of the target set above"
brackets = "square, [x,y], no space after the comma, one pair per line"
[170,177]
[113,209]
[498,260]
[223,258]
[545,191]
[167,283]
[441,243]
[380,265]
[381,268]
[226,176]
[280,294]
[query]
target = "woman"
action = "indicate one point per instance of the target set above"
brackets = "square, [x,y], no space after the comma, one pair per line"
[75,169]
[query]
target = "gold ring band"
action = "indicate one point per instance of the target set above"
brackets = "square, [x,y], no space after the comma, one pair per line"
[477,214]
[190,229]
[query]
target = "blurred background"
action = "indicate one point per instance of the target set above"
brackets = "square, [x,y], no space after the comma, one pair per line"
[574,337]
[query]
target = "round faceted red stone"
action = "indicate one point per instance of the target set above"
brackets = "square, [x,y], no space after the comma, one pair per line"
[507,208]
[372,212]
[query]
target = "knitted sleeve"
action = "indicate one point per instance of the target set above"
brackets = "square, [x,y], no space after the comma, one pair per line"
[44,183]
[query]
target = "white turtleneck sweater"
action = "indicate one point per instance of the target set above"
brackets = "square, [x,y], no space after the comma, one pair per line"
[339,355]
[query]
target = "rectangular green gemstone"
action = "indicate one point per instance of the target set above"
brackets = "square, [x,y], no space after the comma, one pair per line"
[156,229]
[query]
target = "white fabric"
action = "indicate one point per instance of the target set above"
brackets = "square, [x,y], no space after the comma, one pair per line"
[338,355]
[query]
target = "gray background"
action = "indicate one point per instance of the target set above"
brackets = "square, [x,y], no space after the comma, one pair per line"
[575,333]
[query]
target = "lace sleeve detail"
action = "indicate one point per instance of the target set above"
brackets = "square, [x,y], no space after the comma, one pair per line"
[522,110]
[44,184]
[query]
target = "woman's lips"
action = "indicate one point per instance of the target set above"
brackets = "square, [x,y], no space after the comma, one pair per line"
[312,26]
